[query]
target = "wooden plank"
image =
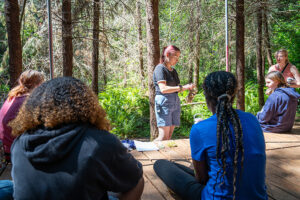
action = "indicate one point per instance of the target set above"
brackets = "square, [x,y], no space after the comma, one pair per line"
[153,179]
[283,173]
[284,185]
[272,168]
[279,137]
[281,145]
[277,193]
[150,192]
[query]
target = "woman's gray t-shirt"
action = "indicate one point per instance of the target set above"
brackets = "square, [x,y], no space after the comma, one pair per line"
[161,73]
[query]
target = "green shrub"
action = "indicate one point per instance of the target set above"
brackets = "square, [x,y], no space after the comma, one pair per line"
[127,110]
[251,98]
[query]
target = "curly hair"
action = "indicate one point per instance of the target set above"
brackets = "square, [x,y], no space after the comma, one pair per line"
[60,101]
[27,81]
[219,90]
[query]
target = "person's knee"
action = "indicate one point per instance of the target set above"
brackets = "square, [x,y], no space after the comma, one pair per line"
[160,165]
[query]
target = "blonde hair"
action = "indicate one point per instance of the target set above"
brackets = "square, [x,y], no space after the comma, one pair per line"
[278,77]
[284,52]
[60,101]
[27,81]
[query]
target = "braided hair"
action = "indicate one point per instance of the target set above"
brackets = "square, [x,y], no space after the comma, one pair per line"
[219,90]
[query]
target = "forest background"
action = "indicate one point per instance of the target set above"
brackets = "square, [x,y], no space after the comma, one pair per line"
[195,26]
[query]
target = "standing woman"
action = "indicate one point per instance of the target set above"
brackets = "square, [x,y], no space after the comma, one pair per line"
[167,86]
[27,81]
[289,71]
[228,150]
[279,111]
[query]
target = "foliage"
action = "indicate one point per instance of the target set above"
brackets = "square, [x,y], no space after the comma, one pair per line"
[126,105]
[286,28]
[251,97]
[128,111]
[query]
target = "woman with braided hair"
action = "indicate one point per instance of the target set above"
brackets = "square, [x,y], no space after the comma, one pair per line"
[228,150]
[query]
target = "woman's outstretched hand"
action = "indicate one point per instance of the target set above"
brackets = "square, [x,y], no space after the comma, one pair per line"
[189,86]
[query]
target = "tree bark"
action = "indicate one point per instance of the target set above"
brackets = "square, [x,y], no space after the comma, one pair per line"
[95,58]
[104,45]
[67,48]
[14,40]
[240,54]
[259,55]
[229,46]
[191,43]
[197,61]
[263,63]
[197,46]
[126,58]
[140,39]
[153,57]
[267,37]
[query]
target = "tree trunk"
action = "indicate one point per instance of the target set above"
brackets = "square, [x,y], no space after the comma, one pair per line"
[14,40]
[197,61]
[125,67]
[191,44]
[140,39]
[197,46]
[95,58]
[259,55]
[240,54]
[153,57]
[229,46]
[67,48]
[267,37]
[104,45]
[263,63]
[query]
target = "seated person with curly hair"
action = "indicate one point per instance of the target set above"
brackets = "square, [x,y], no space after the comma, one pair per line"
[64,150]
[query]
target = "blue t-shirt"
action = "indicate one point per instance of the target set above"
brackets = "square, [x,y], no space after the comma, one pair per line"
[251,184]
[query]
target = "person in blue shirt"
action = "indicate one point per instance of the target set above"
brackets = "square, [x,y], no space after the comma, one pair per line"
[228,150]
[279,111]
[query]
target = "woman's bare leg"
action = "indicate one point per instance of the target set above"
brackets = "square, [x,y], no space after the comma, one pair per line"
[170,132]
[163,133]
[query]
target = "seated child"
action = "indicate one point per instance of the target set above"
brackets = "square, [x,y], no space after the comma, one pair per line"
[279,111]
[64,150]
[27,81]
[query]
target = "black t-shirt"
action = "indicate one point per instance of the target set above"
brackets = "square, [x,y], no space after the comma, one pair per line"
[161,73]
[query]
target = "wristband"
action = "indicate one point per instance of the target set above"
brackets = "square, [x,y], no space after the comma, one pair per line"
[180,88]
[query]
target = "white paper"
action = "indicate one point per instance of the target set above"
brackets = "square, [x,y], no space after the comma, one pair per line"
[145,146]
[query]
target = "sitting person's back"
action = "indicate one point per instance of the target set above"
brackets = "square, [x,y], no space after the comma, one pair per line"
[279,111]
[27,81]
[65,151]
[251,182]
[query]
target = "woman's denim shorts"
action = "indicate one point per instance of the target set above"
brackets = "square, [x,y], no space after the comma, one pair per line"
[167,110]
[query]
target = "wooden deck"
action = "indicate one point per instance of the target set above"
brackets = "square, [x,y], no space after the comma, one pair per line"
[282,175]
